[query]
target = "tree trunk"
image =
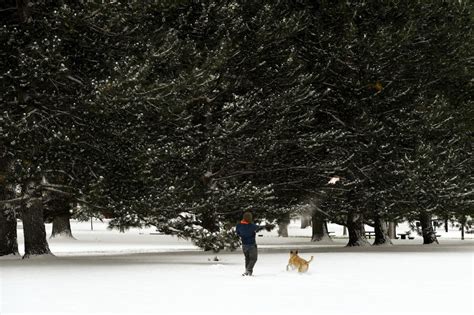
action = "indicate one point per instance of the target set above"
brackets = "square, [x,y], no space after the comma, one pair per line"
[283,226]
[59,210]
[23,10]
[392,230]
[33,229]
[355,226]
[283,229]
[344,230]
[429,236]
[209,222]
[446,222]
[305,221]
[62,226]
[8,237]
[381,232]
[463,221]
[320,229]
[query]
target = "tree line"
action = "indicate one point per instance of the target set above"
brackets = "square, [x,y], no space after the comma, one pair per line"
[182,115]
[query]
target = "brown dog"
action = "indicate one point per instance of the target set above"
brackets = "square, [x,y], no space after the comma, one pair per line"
[298,262]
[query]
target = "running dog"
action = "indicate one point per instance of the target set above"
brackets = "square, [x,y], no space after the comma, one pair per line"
[296,262]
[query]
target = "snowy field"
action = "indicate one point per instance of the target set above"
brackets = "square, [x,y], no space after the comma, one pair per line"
[106,272]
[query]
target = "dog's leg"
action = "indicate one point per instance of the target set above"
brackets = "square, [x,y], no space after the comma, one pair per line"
[303,268]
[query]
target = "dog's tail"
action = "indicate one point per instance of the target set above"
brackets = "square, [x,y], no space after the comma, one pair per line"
[310,260]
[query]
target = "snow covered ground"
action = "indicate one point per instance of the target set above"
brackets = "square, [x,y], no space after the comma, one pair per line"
[106,272]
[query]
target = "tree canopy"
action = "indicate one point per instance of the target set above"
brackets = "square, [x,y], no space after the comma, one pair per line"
[183,115]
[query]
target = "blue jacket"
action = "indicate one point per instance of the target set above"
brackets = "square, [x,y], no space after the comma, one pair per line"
[247,232]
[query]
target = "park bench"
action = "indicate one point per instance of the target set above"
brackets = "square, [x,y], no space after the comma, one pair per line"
[369,234]
[404,236]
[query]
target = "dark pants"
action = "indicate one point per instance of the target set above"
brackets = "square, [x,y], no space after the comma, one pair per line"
[251,255]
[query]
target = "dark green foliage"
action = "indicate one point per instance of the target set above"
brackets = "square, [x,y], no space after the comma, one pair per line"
[185,115]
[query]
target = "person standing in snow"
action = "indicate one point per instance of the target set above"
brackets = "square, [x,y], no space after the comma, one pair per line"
[247,231]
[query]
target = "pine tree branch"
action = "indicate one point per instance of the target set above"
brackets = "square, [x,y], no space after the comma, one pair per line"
[56,186]
[57,191]
[8,9]
[15,200]
[88,203]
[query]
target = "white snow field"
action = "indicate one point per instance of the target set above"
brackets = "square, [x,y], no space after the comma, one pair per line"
[106,272]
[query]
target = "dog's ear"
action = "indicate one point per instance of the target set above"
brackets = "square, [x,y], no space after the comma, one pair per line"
[291,252]
[296,252]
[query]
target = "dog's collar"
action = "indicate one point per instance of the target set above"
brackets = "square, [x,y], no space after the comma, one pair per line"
[243,222]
